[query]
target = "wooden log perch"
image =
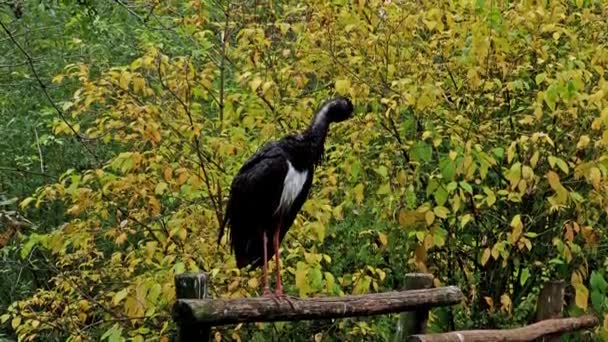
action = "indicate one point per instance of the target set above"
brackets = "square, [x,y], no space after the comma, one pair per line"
[527,333]
[261,309]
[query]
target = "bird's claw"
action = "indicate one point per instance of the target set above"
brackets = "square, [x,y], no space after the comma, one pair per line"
[281,296]
[271,295]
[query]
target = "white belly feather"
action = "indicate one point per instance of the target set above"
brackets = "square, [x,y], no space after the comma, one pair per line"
[292,186]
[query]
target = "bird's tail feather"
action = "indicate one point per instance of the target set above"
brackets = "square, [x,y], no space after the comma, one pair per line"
[249,251]
[223,224]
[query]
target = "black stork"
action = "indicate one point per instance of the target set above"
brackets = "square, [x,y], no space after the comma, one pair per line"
[270,189]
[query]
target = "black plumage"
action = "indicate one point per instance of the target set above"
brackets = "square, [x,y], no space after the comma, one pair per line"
[271,187]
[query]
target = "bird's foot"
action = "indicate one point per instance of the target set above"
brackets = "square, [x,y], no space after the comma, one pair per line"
[281,296]
[271,295]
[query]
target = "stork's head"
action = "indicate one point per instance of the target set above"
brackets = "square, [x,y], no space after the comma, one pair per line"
[339,109]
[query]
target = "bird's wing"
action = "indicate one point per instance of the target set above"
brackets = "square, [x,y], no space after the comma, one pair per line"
[255,192]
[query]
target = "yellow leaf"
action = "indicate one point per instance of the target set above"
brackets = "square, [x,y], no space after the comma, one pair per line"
[16,322]
[562,193]
[384,189]
[505,303]
[167,173]
[138,84]
[496,251]
[302,282]
[534,159]
[582,296]
[125,79]
[182,233]
[576,278]
[595,176]
[606,322]
[57,79]
[255,84]
[382,238]
[253,283]
[429,217]
[26,201]
[181,179]
[161,188]
[266,86]
[486,256]
[121,238]
[319,230]
[490,302]
[583,141]
[517,226]
[441,211]
[119,296]
[464,219]
[358,190]
[343,86]
[408,218]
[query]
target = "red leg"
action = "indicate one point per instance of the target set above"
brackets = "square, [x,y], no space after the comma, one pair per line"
[279,286]
[266,287]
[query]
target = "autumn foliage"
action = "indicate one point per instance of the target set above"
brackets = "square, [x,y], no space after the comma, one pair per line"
[478,154]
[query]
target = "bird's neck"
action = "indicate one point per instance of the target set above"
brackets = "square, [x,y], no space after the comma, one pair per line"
[316,133]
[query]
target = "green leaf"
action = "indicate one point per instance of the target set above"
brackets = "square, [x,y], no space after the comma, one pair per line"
[540,78]
[441,195]
[315,276]
[499,152]
[33,240]
[355,169]
[113,334]
[490,196]
[447,168]
[421,152]
[466,187]
[382,171]
[598,282]
[384,189]
[597,300]
[551,96]
[154,292]
[525,275]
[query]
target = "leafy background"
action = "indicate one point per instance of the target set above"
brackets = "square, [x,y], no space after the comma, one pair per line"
[478,154]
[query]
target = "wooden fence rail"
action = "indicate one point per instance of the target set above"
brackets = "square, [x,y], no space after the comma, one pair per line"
[527,333]
[195,313]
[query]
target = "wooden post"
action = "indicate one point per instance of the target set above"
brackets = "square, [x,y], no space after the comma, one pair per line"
[551,305]
[414,322]
[191,286]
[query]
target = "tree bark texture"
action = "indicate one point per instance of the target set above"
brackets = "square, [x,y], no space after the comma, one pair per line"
[527,333]
[215,312]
